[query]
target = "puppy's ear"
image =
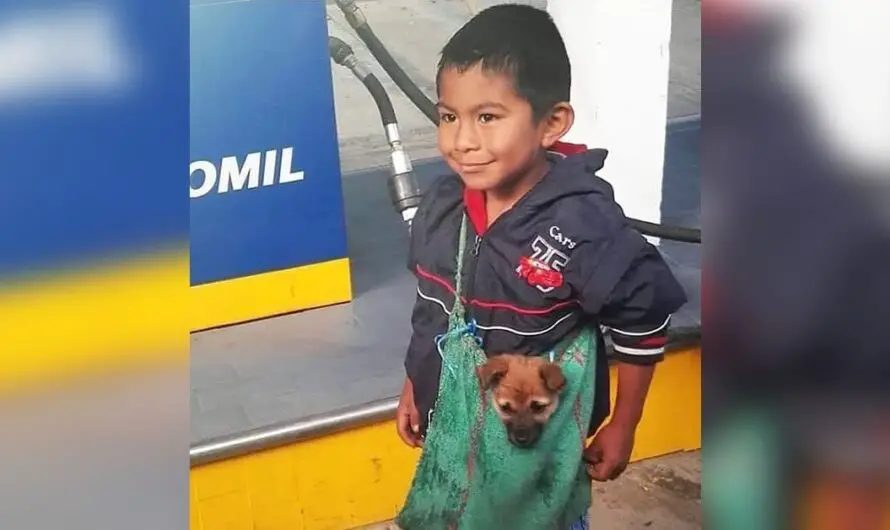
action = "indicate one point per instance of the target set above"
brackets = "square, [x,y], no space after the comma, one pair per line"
[491,373]
[552,376]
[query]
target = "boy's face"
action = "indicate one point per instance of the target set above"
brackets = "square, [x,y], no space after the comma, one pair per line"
[487,132]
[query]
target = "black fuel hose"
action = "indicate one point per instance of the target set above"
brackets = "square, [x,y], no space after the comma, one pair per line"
[673,233]
[343,55]
[359,23]
[401,79]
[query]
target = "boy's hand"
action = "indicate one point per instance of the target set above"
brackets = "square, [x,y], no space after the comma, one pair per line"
[609,452]
[407,417]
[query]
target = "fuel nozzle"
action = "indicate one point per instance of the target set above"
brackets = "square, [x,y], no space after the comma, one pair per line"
[404,191]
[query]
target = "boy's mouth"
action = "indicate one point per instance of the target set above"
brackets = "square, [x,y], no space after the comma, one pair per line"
[469,169]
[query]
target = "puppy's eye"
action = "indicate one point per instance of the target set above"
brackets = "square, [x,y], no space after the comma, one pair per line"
[506,408]
[537,407]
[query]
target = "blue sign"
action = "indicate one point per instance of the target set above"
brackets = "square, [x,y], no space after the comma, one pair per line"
[264,177]
[94,134]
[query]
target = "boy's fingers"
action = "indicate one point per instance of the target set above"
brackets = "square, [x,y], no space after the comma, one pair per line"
[403,430]
[593,455]
[596,473]
[407,432]
[601,471]
[619,469]
[402,434]
[415,433]
[414,426]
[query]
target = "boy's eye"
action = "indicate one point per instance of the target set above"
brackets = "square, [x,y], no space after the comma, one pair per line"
[485,118]
[446,117]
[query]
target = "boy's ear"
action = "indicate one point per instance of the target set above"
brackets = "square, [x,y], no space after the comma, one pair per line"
[557,123]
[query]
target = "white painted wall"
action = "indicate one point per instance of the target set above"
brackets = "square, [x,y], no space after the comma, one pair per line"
[620,54]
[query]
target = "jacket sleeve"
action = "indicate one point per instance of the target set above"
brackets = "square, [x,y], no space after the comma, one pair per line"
[427,319]
[638,310]
[425,326]
[623,281]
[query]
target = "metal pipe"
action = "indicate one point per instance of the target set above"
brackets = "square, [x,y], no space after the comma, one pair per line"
[294,431]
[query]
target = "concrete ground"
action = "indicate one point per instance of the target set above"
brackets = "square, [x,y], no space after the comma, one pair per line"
[660,493]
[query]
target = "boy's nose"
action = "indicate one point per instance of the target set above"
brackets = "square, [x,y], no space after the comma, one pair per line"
[465,138]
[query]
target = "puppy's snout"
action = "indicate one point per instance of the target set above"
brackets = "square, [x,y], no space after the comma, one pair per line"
[525,436]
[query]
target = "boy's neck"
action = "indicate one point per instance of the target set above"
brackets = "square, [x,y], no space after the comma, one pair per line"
[499,200]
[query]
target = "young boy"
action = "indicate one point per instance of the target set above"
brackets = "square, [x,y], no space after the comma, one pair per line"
[503,84]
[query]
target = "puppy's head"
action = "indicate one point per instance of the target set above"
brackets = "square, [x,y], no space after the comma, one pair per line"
[525,392]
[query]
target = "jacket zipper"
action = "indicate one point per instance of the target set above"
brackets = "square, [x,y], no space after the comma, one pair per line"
[473,261]
[470,266]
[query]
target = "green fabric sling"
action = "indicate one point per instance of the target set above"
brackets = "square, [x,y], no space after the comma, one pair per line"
[470,477]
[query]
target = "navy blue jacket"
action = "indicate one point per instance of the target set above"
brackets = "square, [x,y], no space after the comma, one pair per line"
[569,223]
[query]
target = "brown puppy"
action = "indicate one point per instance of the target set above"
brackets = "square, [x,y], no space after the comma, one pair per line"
[525,391]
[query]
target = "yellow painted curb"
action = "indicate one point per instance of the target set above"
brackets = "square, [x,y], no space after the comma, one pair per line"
[273,293]
[135,310]
[107,315]
[360,477]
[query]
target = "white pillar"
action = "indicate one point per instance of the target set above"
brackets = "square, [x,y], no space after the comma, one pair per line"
[620,55]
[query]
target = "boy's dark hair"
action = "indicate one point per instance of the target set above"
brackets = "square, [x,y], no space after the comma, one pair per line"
[521,42]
